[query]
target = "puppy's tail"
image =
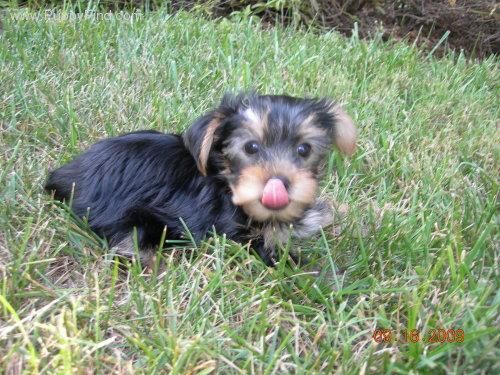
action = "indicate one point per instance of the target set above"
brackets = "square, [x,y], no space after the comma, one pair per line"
[62,183]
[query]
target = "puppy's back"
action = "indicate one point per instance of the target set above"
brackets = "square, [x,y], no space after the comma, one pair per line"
[119,168]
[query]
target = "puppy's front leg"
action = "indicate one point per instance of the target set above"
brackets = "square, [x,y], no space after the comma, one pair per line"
[126,248]
[266,252]
[320,215]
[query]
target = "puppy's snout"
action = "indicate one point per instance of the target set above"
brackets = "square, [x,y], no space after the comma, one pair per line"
[275,193]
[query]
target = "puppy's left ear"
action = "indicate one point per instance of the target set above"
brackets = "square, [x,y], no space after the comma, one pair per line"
[200,137]
[345,133]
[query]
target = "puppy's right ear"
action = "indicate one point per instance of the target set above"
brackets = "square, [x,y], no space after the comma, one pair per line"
[201,136]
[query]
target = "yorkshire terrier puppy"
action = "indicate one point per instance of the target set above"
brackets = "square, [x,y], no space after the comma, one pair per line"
[248,168]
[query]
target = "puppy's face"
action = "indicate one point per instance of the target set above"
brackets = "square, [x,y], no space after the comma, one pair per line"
[271,150]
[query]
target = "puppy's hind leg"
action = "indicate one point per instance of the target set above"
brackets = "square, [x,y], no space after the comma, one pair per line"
[129,246]
[139,236]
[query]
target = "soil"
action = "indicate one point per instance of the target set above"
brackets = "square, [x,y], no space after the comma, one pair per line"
[471,26]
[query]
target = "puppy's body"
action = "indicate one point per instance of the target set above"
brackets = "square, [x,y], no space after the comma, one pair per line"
[214,176]
[146,180]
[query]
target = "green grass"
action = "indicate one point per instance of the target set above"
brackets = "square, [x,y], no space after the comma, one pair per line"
[419,244]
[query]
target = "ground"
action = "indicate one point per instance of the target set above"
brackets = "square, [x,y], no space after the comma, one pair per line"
[416,246]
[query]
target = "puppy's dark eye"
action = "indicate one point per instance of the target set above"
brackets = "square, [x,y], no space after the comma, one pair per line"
[304,150]
[252,147]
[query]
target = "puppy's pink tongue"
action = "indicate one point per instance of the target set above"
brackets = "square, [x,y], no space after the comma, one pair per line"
[275,195]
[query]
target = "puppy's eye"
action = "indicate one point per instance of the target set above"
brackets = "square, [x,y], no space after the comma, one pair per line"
[304,150]
[252,147]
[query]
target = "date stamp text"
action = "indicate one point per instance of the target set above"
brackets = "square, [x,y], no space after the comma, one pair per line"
[432,336]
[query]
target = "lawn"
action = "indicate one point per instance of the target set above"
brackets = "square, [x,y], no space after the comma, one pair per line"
[416,248]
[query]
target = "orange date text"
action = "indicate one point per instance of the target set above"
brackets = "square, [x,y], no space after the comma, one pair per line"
[434,335]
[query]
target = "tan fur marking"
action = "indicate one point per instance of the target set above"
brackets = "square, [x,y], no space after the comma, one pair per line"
[309,130]
[345,131]
[250,185]
[206,145]
[257,211]
[303,187]
[257,123]
[247,191]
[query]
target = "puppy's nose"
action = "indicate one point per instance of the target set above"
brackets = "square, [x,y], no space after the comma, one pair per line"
[283,179]
[275,194]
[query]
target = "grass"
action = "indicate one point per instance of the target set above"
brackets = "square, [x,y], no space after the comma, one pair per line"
[418,245]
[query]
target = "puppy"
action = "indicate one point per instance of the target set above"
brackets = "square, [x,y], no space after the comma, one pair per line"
[249,169]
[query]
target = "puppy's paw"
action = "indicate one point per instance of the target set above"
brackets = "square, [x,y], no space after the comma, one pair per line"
[127,249]
[323,214]
[318,216]
[268,255]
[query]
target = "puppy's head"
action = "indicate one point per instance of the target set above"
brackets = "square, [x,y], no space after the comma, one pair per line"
[271,149]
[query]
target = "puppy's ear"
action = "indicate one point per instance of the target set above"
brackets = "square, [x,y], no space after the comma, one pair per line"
[200,137]
[345,133]
[203,135]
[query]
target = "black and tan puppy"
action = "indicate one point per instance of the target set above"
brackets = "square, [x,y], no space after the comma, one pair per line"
[249,169]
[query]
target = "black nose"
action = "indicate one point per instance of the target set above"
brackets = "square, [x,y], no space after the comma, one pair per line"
[285,181]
